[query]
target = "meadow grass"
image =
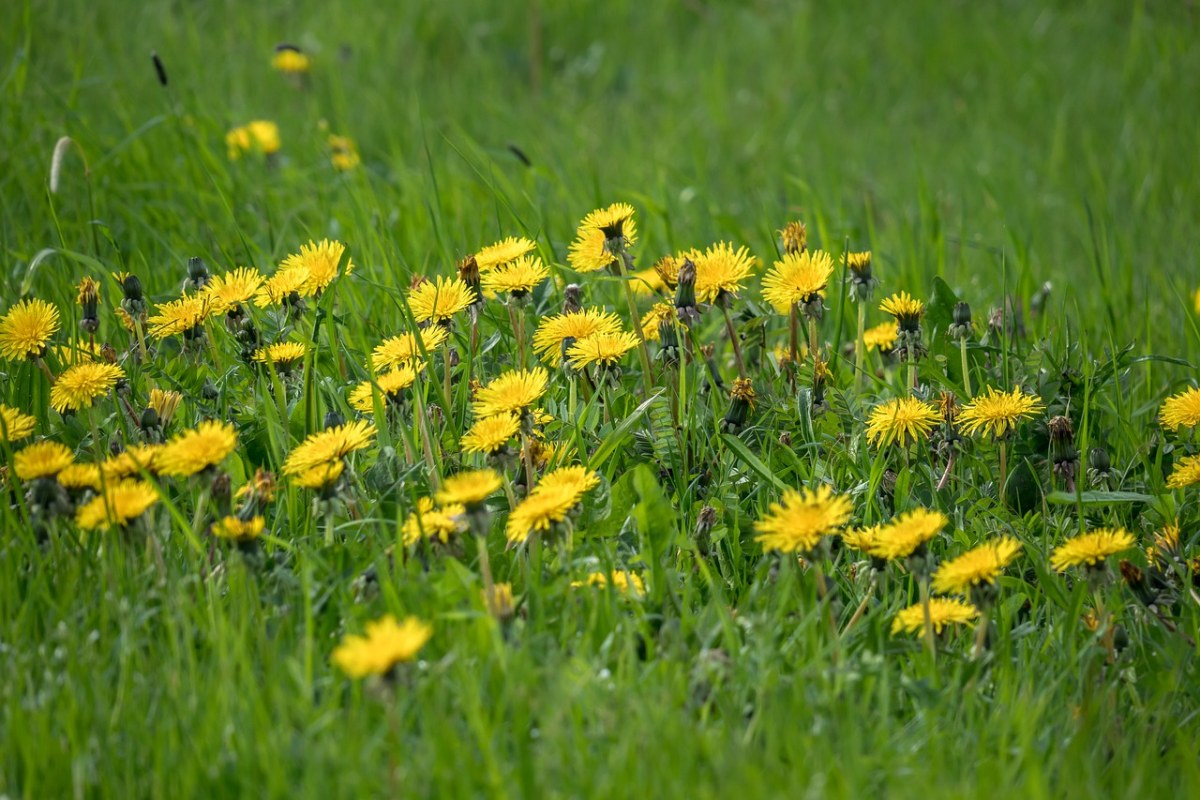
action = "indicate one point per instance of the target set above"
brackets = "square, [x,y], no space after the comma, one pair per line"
[979,151]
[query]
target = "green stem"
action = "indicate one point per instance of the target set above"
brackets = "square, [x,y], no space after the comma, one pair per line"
[966,369]
[860,346]
[624,267]
[733,340]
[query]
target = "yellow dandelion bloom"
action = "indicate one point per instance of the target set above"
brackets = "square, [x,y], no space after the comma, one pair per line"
[232,289]
[901,537]
[667,269]
[540,511]
[88,292]
[118,505]
[343,153]
[386,644]
[859,262]
[500,603]
[881,337]
[164,404]
[440,299]
[80,385]
[469,488]
[282,286]
[321,260]
[721,270]
[131,462]
[653,320]
[180,315]
[125,319]
[604,349]
[503,252]
[1185,473]
[79,476]
[626,583]
[1166,544]
[490,434]
[281,353]
[514,390]
[904,307]
[261,487]
[577,479]
[943,612]
[799,521]
[391,384]
[329,445]
[517,278]
[796,279]
[42,460]
[982,564]
[1181,410]
[320,476]
[794,237]
[861,539]
[902,421]
[1091,548]
[259,136]
[590,252]
[998,413]
[399,350]
[26,328]
[241,530]
[433,522]
[562,330]
[290,60]
[15,424]
[195,450]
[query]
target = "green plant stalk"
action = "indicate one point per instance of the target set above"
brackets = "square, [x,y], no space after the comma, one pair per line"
[859,346]
[930,644]
[966,369]
[733,340]
[625,267]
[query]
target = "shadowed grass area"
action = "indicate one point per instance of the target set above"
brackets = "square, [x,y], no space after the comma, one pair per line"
[979,151]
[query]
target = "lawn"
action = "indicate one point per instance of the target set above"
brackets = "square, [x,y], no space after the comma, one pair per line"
[630,554]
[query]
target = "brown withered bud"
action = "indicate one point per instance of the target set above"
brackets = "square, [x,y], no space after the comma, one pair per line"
[572,298]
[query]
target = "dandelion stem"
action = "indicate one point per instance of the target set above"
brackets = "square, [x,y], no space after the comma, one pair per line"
[794,326]
[201,507]
[1003,471]
[966,368]
[929,642]
[860,346]
[980,634]
[862,607]
[733,340]
[328,523]
[45,370]
[517,323]
[625,267]
[446,374]
[812,338]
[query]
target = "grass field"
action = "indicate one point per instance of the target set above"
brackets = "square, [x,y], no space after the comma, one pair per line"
[1034,157]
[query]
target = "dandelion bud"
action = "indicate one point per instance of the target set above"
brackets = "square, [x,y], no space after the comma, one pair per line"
[1099,466]
[149,420]
[858,272]
[794,237]
[159,69]
[134,301]
[108,353]
[209,391]
[89,302]
[685,294]
[222,492]
[197,274]
[333,419]
[572,303]
[705,521]
[468,273]
[961,328]
[741,402]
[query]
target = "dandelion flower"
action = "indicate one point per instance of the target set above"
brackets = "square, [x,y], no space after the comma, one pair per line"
[799,521]
[577,479]
[514,390]
[283,286]
[433,522]
[490,434]
[1181,410]
[196,450]
[591,251]
[881,337]
[320,476]
[721,270]
[982,564]
[80,385]
[131,462]
[282,354]
[503,252]
[15,424]
[118,505]
[329,445]
[233,289]
[386,644]
[343,153]
[540,511]
[942,613]
[906,309]
[1091,548]
[440,299]
[260,136]
[238,530]
[653,320]
[1185,473]
[79,476]
[794,237]
[861,539]
[399,350]
[604,349]
[290,60]
[391,384]
[626,583]
[798,279]
[556,334]
[164,404]
[902,537]
[321,260]
[26,329]
[469,489]
[517,278]
[179,316]
[998,413]
[902,421]
[42,460]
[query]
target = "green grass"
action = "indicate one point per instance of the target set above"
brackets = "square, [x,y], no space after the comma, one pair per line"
[978,150]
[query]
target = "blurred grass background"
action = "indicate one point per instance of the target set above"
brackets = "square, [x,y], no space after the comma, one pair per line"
[999,145]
